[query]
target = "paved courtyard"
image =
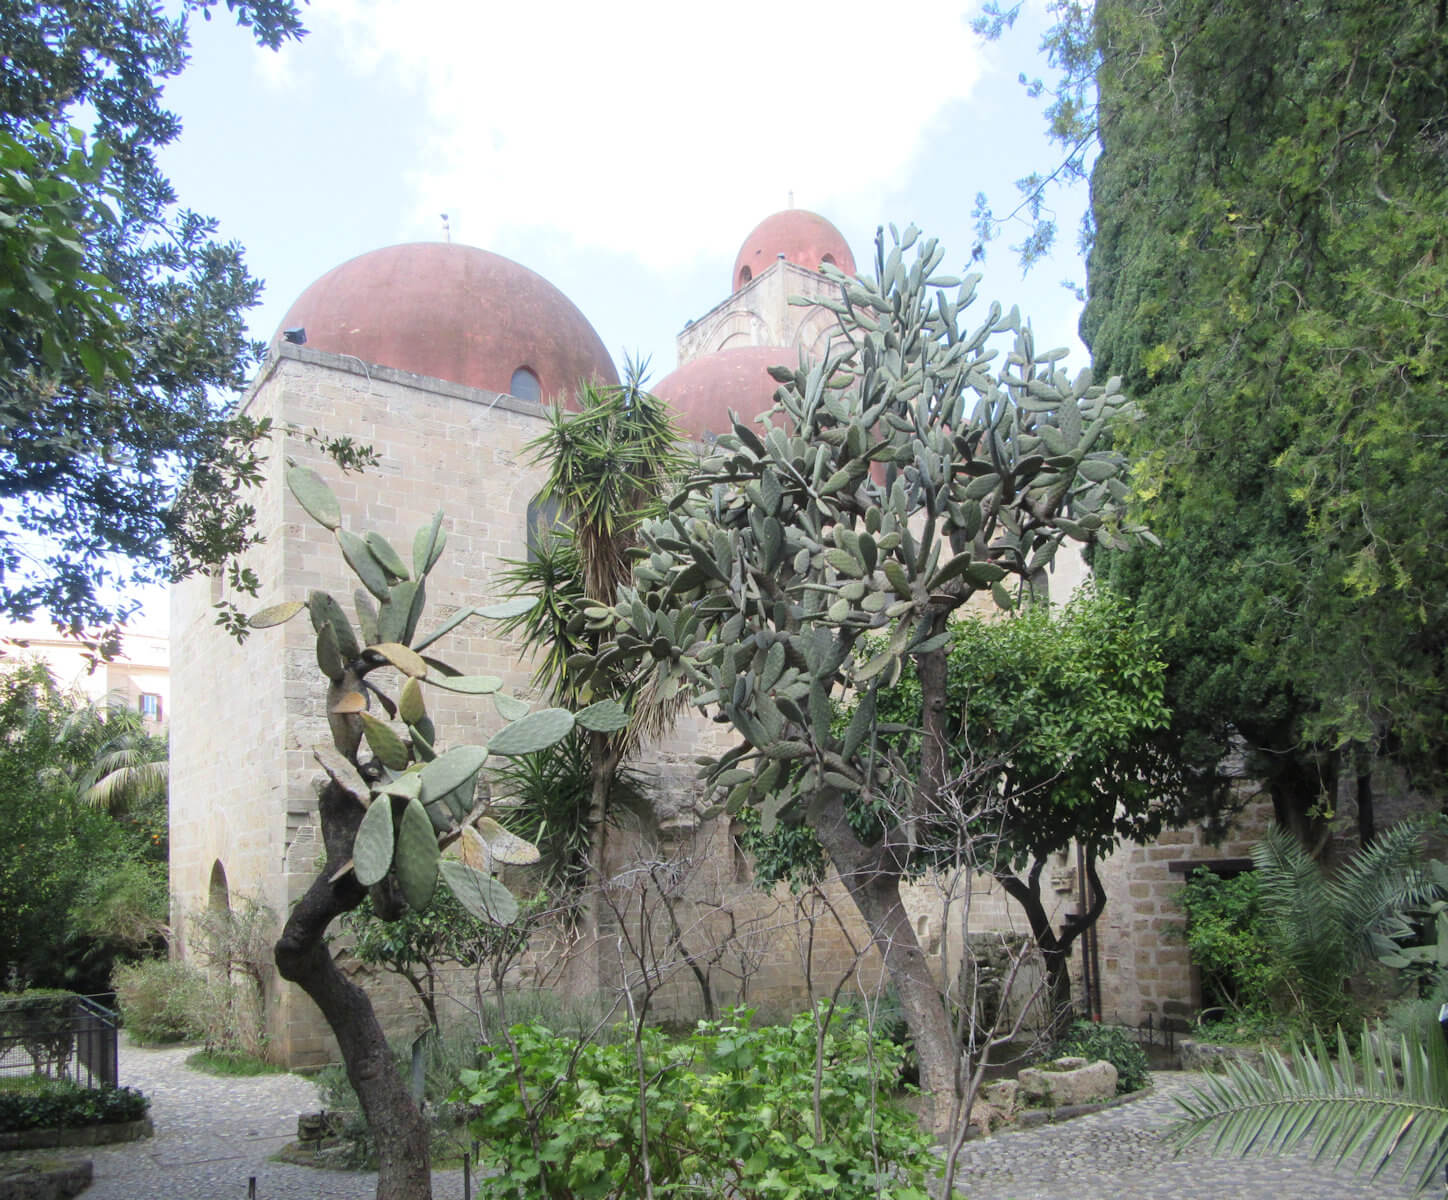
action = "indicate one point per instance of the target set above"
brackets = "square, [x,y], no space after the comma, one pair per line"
[212,1134]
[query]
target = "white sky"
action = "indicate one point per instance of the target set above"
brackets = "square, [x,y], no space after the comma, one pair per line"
[622,151]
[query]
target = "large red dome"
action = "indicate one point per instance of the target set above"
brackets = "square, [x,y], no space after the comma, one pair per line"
[801,237]
[452,312]
[702,392]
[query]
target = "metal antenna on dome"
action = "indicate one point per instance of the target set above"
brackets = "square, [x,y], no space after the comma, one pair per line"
[791,198]
[446,229]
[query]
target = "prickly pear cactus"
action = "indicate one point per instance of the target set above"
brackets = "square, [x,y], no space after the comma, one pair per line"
[418,799]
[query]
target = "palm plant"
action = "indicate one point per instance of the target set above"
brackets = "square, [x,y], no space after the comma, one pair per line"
[610,461]
[107,759]
[1371,1109]
[1323,926]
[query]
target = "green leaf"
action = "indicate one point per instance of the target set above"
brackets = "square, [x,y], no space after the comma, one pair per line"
[480,894]
[452,770]
[467,685]
[510,708]
[416,856]
[427,546]
[386,556]
[504,609]
[603,716]
[314,496]
[372,848]
[390,749]
[363,565]
[528,735]
[410,705]
[329,657]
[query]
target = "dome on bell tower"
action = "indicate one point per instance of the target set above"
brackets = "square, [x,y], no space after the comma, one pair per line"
[796,235]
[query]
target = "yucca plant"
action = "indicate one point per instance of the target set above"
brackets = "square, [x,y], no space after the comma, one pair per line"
[1370,1110]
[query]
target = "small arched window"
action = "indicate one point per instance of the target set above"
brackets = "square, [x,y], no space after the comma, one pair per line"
[543,519]
[828,258]
[745,275]
[525,386]
[220,894]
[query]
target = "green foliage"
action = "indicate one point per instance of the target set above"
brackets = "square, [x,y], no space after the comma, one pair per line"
[162,1001]
[1109,1043]
[1388,1105]
[78,886]
[1228,937]
[1323,926]
[1269,277]
[415,799]
[726,1115]
[889,486]
[547,803]
[123,315]
[38,1103]
[1053,715]
[420,943]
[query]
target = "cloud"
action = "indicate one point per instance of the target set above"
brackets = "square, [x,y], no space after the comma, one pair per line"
[645,127]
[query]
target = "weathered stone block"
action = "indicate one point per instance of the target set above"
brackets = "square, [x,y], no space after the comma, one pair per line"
[1057,1086]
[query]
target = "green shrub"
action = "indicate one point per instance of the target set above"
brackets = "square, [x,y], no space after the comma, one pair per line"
[1228,936]
[162,1001]
[729,1115]
[1111,1043]
[35,1102]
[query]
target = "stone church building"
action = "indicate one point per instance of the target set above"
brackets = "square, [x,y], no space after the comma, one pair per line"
[441,356]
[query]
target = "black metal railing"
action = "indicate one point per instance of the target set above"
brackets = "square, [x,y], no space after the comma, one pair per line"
[63,1037]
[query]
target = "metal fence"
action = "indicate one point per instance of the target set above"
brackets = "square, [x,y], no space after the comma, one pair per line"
[64,1037]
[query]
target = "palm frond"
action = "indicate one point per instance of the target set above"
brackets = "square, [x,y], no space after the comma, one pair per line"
[126,781]
[1307,923]
[1365,1112]
[1381,880]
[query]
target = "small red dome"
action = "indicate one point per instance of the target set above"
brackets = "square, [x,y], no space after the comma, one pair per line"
[702,392]
[452,312]
[801,237]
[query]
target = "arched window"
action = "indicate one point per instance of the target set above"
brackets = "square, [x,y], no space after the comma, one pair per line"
[525,386]
[828,258]
[745,275]
[543,519]
[220,893]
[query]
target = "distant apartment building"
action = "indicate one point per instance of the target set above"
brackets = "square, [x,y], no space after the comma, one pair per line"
[139,677]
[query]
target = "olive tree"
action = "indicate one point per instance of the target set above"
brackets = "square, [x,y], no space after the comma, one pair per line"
[394,801]
[912,470]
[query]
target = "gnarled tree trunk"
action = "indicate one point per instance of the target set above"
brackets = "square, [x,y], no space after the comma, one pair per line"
[302,957]
[873,882]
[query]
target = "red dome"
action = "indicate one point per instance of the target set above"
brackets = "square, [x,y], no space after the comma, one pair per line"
[452,312]
[802,237]
[702,392]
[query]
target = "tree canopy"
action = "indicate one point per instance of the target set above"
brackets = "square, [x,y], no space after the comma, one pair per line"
[912,470]
[1270,278]
[123,314]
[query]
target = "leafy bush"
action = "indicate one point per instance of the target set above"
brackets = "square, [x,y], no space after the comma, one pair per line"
[162,1001]
[1110,1043]
[35,1102]
[729,1114]
[1229,939]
